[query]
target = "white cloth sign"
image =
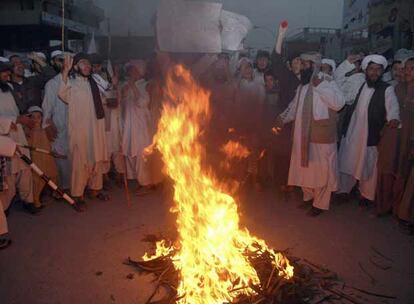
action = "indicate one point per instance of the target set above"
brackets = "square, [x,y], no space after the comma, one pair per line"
[235,28]
[189,26]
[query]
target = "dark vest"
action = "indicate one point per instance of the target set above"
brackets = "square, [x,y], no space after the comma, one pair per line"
[377,113]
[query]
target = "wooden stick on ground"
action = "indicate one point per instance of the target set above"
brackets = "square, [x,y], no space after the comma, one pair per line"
[373,281]
[372,293]
[381,254]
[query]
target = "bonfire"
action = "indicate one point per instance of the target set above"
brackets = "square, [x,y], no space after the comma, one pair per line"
[214,260]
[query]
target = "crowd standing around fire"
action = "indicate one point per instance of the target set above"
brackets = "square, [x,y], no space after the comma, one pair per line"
[337,132]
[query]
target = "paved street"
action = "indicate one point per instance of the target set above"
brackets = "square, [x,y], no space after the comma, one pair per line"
[62,257]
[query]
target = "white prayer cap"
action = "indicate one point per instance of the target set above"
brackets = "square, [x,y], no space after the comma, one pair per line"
[40,55]
[139,64]
[244,60]
[33,109]
[329,62]
[408,58]
[378,59]
[403,54]
[56,53]
[4,59]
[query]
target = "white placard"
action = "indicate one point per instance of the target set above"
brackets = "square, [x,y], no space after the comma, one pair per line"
[235,28]
[189,26]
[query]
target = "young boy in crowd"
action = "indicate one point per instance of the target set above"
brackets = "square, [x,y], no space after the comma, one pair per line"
[37,138]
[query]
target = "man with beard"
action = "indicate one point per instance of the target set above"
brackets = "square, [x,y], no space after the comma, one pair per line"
[375,106]
[288,83]
[222,86]
[18,176]
[87,138]
[29,89]
[313,164]
[55,120]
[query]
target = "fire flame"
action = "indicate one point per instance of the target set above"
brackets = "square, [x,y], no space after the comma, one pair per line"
[210,254]
[234,149]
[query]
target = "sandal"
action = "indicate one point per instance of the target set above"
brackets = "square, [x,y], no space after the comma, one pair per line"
[79,205]
[102,196]
[144,191]
[4,243]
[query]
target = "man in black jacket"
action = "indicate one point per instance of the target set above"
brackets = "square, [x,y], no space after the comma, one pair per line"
[29,90]
[375,106]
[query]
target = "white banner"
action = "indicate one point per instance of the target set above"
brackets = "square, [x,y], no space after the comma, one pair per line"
[189,26]
[235,28]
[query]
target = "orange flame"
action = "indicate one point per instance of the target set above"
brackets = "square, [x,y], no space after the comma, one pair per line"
[210,252]
[234,149]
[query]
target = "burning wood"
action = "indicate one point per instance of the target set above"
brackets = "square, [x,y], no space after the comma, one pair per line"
[214,260]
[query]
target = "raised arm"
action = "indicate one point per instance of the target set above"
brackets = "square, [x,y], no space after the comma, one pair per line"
[283,27]
[64,88]
[330,95]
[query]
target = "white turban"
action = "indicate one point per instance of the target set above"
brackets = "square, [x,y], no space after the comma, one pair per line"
[4,59]
[378,59]
[329,62]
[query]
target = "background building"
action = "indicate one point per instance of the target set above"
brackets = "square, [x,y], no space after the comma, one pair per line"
[36,24]
[324,40]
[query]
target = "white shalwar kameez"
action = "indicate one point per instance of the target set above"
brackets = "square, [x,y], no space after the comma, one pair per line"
[18,174]
[320,178]
[113,140]
[7,149]
[56,110]
[87,137]
[357,161]
[137,133]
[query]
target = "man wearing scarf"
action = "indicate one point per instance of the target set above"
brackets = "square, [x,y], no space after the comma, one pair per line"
[17,176]
[313,164]
[375,106]
[87,137]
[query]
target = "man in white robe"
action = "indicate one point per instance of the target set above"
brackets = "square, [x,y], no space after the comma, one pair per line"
[18,176]
[318,175]
[55,121]
[108,88]
[7,149]
[87,137]
[375,106]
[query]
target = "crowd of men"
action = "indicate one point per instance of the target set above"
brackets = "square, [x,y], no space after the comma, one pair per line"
[337,132]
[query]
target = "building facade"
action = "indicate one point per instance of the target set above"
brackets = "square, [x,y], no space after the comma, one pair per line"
[35,24]
[324,40]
